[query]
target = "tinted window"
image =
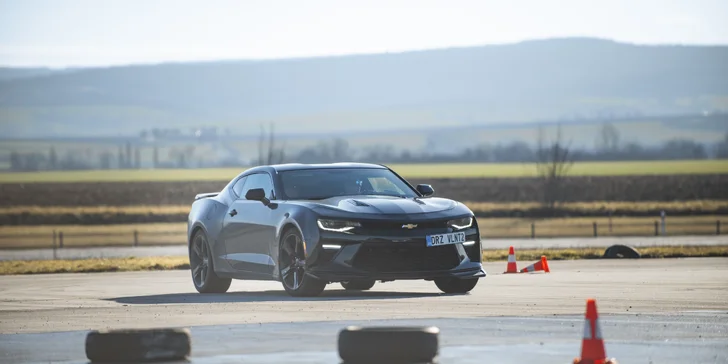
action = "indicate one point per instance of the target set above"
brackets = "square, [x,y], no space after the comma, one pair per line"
[238,186]
[324,183]
[258,180]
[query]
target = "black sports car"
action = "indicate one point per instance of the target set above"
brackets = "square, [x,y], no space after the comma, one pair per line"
[310,225]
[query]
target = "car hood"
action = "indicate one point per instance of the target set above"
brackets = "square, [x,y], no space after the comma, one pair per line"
[385,204]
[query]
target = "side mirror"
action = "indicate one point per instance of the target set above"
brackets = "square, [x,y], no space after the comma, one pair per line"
[425,190]
[257,194]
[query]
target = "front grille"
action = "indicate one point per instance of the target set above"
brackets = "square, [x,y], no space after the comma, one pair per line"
[397,225]
[405,257]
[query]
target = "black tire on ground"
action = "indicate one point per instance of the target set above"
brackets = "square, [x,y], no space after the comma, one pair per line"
[358,285]
[136,346]
[388,344]
[308,286]
[212,282]
[456,285]
[621,251]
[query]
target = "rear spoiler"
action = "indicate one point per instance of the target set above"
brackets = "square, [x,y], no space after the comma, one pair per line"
[206,195]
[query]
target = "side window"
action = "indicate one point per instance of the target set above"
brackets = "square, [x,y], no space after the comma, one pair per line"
[259,180]
[238,186]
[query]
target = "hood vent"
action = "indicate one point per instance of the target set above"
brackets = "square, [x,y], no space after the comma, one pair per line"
[359,203]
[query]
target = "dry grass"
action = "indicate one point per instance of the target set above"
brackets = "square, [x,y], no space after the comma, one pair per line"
[180,263]
[532,255]
[640,206]
[606,206]
[93,265]
[101,210]
[439,170]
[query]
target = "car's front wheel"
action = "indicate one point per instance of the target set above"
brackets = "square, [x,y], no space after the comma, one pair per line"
[292,267]
[456,285]
[203,270]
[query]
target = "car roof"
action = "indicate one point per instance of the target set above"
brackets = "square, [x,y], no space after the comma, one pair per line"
[275,168]
[300,166]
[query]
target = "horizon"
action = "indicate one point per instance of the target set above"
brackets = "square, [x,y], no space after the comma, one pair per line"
[363,54]
[90,34]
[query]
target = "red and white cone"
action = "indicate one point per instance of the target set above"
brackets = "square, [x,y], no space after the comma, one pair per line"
[592,344]
[511,268]
[541,265]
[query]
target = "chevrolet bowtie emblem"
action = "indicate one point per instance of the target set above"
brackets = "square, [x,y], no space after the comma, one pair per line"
[409,226]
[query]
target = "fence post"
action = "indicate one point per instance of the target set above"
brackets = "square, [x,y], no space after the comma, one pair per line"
[55,256]
[533,230]
[60,239]
[595,229]
[717,227]
[610,222]
[657,228]
[662,218]
[136,238]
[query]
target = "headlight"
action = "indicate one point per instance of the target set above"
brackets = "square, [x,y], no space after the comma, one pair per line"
[338,225]
[459,224]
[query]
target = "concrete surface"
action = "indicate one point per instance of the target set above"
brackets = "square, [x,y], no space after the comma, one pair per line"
[667,311]
[177,250]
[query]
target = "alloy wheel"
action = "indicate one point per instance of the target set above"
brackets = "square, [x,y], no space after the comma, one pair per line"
[200,260]
[293,262]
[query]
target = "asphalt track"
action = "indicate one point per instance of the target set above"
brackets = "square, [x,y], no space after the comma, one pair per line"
[652,311]
[178,250]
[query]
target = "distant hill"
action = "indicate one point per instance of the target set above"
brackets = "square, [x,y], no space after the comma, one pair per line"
[558,79]
[7,73]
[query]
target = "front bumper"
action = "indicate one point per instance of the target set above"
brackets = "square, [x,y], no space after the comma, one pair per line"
[339,258]
[476,271]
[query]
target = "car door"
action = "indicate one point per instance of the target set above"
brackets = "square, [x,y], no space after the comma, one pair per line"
[249,230]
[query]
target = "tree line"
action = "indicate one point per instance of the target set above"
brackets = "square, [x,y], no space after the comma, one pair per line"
[136,155]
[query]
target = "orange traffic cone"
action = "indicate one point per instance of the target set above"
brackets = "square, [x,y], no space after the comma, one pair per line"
[541,265]
[511,268]
[592,344]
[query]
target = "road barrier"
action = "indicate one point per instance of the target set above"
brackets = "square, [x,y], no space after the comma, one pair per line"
[548,229]
[59,239]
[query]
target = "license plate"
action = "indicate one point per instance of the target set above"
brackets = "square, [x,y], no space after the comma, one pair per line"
[445,239]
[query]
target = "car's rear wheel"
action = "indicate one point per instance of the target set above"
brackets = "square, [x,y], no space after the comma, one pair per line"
[358,285]
[456,285]
[202,267]
[292,267]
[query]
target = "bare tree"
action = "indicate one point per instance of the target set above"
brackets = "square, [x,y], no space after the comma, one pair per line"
[554,160]
[269,154]
[608,140]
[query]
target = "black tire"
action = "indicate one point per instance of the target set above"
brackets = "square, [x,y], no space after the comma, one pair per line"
[292,268]
[456,285]
[358,285]
[135,346]
[204,278]
[388,344]
[621,251]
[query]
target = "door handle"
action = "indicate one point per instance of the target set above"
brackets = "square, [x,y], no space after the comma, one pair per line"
[233,212]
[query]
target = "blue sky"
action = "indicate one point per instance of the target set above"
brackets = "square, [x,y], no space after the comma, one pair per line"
[65,33]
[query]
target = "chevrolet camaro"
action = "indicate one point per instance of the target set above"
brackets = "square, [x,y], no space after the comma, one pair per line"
[309,225]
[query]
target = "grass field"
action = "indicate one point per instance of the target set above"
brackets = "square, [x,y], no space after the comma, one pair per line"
[445,170]
[182,263]
[17,237]
[703,205]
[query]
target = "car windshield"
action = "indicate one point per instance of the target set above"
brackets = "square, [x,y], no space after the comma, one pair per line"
[315,184]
